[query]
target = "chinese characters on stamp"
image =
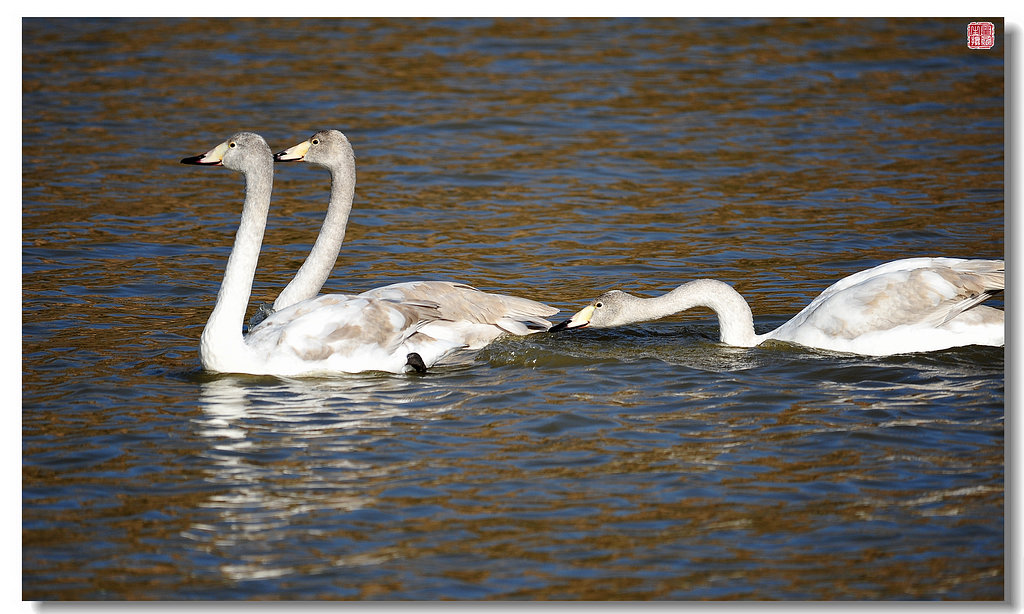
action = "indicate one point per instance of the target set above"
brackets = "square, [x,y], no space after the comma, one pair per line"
[981,35]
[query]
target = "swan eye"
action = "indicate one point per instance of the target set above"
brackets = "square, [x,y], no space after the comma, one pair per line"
[598,304]
[315,141]
[231,144]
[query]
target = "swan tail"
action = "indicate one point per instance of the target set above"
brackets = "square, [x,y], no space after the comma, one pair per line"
[977,281]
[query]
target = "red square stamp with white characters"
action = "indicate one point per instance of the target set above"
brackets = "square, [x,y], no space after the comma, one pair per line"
[981,35]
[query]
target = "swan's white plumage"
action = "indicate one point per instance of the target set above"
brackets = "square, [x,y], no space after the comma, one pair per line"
[470,316]
[375,331]
[346,334]
[910,305]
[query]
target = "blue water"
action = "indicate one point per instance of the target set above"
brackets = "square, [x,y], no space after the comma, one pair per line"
[552,159]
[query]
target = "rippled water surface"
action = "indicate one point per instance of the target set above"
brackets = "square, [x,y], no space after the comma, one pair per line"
[551,159]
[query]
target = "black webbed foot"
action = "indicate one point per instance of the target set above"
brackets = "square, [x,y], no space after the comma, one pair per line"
[414,360]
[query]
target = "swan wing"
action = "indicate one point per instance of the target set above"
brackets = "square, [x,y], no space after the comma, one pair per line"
[458,302]
[900,299]
[339,333]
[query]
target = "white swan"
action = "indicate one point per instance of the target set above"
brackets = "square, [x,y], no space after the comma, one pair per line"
[911,305]
[327,334]
[475,317]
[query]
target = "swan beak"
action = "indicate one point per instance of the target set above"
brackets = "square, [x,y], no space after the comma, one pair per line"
[580,319]
[293,154]
[214,157]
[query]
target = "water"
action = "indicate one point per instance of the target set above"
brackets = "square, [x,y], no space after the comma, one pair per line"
[548,159]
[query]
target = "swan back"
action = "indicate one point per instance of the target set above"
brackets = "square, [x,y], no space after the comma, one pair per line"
[379,329]
[910,305]
[336,333]
[468,314]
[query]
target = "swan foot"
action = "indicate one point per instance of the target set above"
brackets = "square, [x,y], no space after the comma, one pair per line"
[262,313]
[415,361]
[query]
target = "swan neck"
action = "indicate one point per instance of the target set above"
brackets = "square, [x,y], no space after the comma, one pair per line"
[318,265]
[735,320]
[223,332]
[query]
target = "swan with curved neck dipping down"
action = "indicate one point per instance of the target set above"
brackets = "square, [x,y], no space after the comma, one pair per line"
[904,306]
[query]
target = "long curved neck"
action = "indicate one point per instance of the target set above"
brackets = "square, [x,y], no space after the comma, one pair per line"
[223,333]
[735,320]
[318,265]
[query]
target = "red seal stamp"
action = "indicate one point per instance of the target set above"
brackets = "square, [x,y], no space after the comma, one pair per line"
[981,35]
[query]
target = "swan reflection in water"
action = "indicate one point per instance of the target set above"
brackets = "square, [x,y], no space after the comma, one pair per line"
[237,405]
[289,459]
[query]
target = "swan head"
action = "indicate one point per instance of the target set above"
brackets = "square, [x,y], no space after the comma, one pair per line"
[609,309]
[237,153]
[327,148]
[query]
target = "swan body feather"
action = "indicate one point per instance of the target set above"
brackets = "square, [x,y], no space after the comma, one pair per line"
[336,333]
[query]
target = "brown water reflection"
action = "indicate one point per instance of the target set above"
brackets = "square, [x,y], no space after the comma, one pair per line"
[546,158]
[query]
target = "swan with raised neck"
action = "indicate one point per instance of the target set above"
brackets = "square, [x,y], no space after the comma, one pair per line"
[329,149]
[222,343]
[395,328]
[475,317]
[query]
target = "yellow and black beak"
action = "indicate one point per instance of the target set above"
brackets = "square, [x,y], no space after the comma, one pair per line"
[580,319]
[214,157]
[293,154]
